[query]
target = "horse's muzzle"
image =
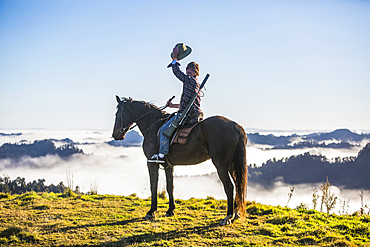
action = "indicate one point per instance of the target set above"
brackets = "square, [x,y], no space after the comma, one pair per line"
[118,136]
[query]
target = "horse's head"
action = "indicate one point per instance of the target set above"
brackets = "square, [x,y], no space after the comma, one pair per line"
[123,121]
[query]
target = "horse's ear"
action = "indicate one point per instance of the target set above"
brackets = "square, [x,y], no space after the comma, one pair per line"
[118,99]
[129,99]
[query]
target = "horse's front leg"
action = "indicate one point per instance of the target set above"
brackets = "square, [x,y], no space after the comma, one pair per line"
[153,174]
[169,182]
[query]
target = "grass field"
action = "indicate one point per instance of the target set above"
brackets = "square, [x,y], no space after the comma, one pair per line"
[48,219]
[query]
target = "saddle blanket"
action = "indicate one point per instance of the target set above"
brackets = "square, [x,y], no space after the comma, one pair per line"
[182,135]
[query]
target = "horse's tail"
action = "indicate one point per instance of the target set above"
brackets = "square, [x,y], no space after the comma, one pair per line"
[240,172]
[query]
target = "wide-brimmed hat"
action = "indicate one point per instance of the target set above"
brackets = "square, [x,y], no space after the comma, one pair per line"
[184,51]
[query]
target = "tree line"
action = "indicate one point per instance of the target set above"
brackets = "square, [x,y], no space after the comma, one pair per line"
[19,186]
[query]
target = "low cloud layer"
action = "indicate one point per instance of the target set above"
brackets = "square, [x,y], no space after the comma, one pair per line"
[123,170]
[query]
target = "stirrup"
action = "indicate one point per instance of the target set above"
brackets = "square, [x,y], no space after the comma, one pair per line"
[156,159]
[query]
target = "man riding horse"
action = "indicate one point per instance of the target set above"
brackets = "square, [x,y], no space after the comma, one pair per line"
[190,87]
[217,138]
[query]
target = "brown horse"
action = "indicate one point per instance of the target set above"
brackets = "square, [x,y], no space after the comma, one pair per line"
[216,138]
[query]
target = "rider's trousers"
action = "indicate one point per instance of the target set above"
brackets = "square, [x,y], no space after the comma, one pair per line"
[164,141]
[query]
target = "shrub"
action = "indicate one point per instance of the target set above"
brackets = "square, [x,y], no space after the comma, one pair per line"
[162,195]
[4,195]
[68,193]
[328,198]
[302,207]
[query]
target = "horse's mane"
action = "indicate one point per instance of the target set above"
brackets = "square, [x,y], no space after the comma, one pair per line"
[146,104]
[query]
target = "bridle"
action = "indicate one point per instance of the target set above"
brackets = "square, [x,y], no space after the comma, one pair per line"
[124,129]
[128,127]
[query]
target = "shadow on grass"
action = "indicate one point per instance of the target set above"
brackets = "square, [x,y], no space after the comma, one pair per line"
[142,237]
[166,236]
[116,223]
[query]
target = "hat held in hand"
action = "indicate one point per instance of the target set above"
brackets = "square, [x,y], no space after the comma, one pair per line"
[184,51]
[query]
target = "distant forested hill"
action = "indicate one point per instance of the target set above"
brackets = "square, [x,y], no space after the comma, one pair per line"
[11,134]
[132,139]
[341,138]
[36,149]
[352,172]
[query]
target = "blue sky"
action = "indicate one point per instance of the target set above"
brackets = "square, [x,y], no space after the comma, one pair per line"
[273,64]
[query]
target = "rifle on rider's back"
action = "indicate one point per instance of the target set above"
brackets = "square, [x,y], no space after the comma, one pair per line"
[181,120]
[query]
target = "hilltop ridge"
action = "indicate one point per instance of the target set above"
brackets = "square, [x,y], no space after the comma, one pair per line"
[48,219]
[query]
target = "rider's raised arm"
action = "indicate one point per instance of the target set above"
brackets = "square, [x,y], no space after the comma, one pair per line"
[179,74]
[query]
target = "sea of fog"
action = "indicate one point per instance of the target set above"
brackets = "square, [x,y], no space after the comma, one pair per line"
[123,170]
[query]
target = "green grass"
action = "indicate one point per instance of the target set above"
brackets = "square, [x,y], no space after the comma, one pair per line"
[48,219]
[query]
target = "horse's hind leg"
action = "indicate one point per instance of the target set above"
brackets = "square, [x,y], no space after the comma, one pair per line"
[233,176]
[153,174]
[169,182]
[229,190]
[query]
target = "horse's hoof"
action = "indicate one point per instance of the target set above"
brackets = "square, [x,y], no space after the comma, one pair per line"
[226,221]
[237,216]
[149,217]
[169,214]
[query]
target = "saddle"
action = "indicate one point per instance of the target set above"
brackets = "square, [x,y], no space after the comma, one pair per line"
[181,135]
